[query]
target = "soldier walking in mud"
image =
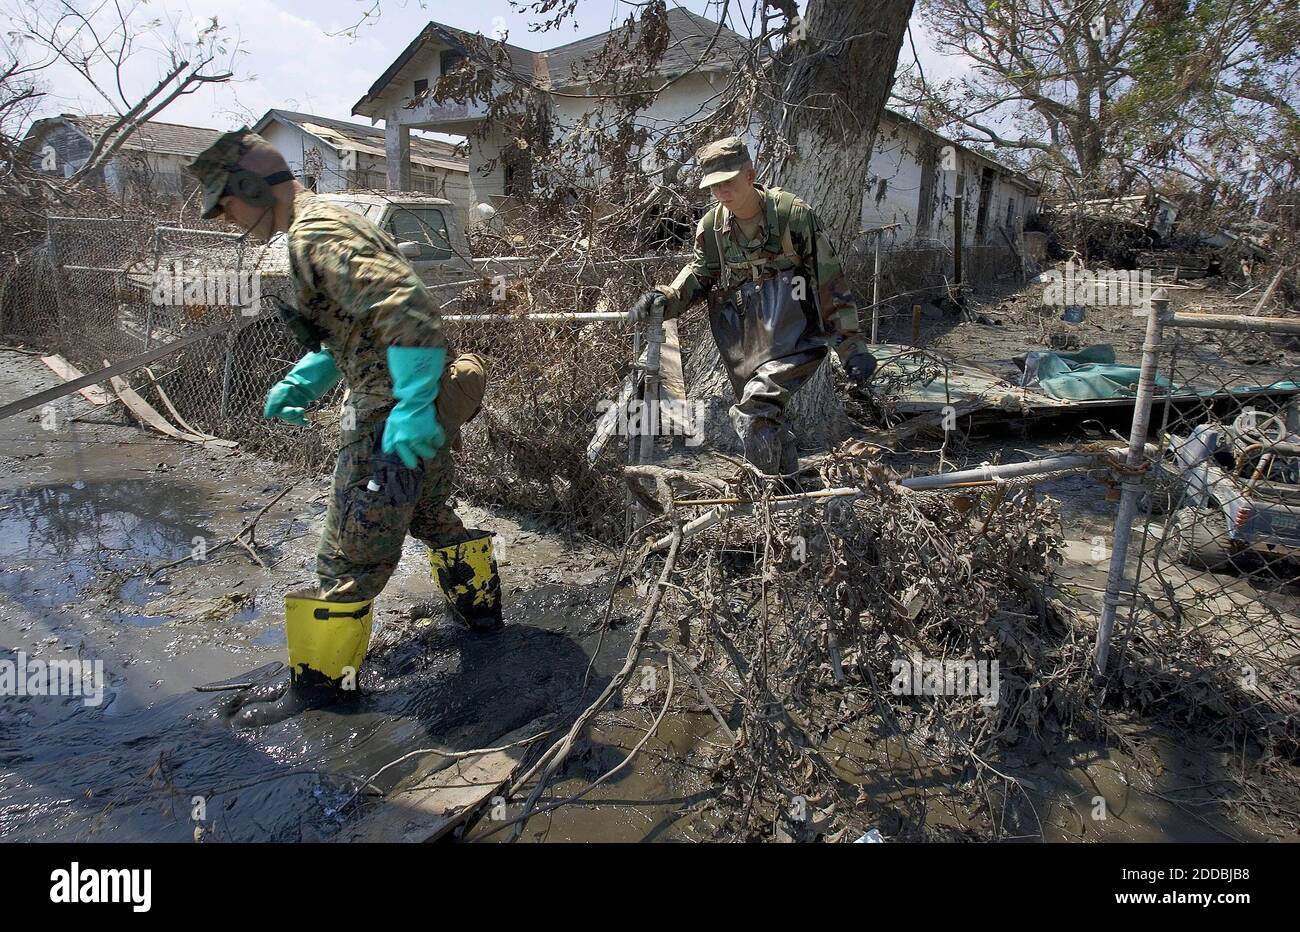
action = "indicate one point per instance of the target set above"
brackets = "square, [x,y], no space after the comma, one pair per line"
[777,298]
[363,315]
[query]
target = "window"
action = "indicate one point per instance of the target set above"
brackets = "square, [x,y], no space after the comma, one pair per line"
[421,85]
[982,215]
[425,226]
[449,60]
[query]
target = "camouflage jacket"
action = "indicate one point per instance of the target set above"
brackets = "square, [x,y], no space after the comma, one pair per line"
[354,284]
[788,237]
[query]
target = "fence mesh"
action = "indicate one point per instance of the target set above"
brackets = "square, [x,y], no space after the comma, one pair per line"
[1215,546]
[103,289]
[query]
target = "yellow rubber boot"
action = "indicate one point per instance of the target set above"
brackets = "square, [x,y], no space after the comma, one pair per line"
[467,575]
[327,642]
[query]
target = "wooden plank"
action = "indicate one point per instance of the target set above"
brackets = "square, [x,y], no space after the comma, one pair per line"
[65,370]
[439,795]
[607,425]
[146,414]
[171,409]
[672,384]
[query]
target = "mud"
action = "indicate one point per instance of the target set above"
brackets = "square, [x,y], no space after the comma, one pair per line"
[90,508]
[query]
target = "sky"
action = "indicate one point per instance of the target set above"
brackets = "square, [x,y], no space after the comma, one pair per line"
[295,55]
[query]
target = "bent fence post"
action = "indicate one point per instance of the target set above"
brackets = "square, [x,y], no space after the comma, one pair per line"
[1132,485]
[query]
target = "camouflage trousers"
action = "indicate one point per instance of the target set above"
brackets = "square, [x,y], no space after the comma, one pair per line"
[376,501]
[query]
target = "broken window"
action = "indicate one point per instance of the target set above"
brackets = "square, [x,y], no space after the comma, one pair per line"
[986,194]
[929,155]
[449,60]
[424,226]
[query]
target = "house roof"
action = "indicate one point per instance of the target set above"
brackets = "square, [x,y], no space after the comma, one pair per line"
[694,42]
[367,139]
[689,40]
[153,136]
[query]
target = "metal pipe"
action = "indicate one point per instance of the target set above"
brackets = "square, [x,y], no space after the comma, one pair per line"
[608,316]
[1132,485]
[875,294]
[649,419]
[1289,325]
[957,479]
[1001,471]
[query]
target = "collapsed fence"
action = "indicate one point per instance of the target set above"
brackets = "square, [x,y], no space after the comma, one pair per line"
[103,289]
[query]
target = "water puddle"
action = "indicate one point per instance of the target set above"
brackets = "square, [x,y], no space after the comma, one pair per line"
[56,540]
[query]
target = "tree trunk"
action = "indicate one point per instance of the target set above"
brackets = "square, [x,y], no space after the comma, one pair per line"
[834,96]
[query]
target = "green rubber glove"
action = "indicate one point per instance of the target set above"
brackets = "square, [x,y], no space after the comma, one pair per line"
[310,379]
[413,431]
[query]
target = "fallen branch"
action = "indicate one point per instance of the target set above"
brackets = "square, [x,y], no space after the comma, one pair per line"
[237,538]
[558,753]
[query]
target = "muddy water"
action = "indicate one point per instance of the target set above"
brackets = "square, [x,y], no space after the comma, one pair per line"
[136,765]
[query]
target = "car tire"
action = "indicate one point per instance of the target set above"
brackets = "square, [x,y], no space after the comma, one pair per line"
[1197,540]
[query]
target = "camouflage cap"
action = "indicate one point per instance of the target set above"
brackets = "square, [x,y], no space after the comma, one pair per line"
[722,160]
[212,166]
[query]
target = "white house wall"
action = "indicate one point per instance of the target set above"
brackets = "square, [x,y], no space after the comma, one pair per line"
[895,178]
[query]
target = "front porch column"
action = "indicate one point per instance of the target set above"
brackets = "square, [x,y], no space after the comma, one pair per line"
[397,154]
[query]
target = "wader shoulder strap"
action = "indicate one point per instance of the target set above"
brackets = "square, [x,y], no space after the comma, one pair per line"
[778,247]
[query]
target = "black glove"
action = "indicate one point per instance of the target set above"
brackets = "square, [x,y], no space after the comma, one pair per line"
[860,367]
[640,309]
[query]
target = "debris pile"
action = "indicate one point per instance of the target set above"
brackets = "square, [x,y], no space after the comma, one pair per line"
[852,643]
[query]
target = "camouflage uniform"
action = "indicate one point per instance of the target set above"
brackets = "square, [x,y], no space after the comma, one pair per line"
[775,301]
[360,292]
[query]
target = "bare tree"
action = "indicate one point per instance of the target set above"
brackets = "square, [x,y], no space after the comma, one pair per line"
[1101,92]
[108,45]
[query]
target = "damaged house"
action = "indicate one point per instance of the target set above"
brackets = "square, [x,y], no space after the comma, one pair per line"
[151,160]
[329,156]
[914,173]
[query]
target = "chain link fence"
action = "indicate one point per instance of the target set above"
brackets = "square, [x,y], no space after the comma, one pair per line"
[1207,540]
[103,289]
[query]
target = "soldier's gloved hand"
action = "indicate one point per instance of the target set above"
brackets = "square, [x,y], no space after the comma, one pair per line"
[412,430]
[312,376]
[859,364]
[640,310]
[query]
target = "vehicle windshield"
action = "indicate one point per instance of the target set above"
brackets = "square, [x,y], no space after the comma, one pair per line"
[370,211]
[424,226]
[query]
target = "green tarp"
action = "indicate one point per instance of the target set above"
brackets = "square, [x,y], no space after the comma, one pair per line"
[1093,373]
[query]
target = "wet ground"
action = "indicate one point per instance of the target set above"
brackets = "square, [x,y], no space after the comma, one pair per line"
[89,507]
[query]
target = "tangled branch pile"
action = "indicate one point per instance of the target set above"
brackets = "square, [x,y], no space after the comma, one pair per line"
[888,653]
[810,617]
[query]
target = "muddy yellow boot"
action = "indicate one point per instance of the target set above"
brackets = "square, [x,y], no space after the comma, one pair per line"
[327,642]
[467,574]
